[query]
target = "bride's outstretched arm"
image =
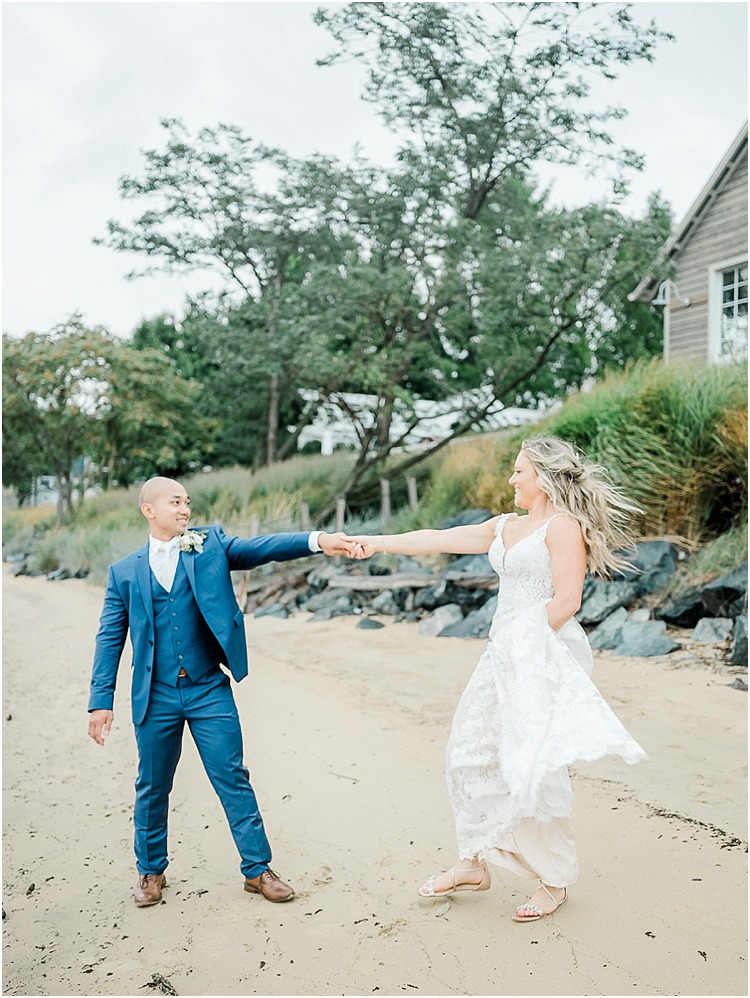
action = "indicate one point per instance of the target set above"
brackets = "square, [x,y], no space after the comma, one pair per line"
[473,539]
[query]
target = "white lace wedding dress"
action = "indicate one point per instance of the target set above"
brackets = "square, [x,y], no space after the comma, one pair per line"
[528,711]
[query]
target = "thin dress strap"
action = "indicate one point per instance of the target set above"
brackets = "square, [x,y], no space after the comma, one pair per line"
[546,523]
[501,522]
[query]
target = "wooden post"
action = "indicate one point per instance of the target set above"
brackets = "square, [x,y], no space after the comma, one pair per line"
[411,487]
[385,503]
[304,515]
[340,514]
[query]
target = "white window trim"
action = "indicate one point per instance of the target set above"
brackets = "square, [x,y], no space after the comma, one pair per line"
[714,304]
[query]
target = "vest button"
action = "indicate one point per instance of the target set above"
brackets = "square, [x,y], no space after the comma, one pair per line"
[179,656]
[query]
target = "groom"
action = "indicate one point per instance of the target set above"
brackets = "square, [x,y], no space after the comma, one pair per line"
[175,596]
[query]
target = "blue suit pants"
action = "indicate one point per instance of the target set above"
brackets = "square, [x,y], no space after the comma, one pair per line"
[208,707]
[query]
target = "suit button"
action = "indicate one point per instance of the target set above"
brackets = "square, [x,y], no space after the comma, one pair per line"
[179,656]
[148,668]
[151,644]
[175,628]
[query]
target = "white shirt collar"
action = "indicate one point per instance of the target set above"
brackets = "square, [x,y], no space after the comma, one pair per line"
[156,545]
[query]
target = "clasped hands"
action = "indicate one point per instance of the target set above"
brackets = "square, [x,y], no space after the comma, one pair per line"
[341,544]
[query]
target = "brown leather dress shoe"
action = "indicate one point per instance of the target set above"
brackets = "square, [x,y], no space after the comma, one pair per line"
[270,885]
[148,889]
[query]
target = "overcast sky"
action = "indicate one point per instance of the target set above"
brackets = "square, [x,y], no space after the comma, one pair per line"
[85,85]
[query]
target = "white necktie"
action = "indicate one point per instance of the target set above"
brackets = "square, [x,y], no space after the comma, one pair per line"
[163,561]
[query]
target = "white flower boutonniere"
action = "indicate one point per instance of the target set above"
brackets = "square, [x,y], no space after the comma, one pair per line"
[192,540]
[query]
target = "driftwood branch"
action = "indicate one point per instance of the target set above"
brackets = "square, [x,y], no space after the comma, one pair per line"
[410,580]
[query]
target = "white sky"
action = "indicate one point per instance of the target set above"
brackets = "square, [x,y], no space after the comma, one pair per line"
[85,85]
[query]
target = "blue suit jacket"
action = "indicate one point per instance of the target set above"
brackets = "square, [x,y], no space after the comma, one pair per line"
[128,604]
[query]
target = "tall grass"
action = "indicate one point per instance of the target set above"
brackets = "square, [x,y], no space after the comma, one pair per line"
[674,437]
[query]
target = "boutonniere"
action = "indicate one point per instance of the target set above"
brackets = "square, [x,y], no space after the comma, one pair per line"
[192,540]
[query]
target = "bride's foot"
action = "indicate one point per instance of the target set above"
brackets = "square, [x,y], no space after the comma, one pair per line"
[458,878]
[542,902]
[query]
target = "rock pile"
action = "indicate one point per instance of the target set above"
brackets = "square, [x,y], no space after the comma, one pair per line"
[622,615]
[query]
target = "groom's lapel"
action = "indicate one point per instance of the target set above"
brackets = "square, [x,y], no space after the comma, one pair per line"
[143,581]
[188,560]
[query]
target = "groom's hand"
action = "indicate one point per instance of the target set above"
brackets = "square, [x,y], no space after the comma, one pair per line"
[340,544]
[100,721]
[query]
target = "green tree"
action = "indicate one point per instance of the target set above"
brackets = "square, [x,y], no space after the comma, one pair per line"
[479,92]
[78,394]
[213,207]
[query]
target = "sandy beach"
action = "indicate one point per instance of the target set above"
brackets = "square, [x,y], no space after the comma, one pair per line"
[345,732]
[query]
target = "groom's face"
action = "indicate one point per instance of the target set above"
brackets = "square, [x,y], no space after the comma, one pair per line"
[168,511]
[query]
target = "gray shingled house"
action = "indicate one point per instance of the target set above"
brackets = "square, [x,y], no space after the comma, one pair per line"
[700,276]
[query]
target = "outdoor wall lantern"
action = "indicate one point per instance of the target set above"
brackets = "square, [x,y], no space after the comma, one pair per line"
[668,294]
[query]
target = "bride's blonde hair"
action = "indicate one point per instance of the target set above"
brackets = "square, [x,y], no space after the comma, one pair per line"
[583,490]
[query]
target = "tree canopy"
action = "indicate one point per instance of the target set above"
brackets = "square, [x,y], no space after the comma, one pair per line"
[449,276]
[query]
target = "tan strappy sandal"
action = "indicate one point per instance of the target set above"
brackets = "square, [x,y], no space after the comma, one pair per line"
[427,890]
[535,912]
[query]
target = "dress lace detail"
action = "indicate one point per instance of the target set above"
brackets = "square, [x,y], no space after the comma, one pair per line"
[529,710]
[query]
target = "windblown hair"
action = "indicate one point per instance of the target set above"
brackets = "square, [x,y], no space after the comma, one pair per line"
[584,491]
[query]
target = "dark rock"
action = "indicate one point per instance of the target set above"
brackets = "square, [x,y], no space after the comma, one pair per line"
[329,598]
[320,575]
[655,561]
[329,612]
[374,567]
[22,568]
[82,573]
[431,597]
[601,598]
[272,610]
[739,642]
[466,519]
[443,617]
[609,633]
[385,603]
[644,639]
[59,575]
[738,684]
[443,593]
[472,564]
[712,629]
[683,610]
[368,624]
[474,625]
[720,596]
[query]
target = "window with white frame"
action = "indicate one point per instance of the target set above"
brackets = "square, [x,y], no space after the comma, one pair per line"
[732,338]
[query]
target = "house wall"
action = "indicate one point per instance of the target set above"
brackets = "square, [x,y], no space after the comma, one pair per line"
[720,237]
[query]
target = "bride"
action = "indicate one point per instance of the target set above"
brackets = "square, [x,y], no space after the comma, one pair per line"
[530,708]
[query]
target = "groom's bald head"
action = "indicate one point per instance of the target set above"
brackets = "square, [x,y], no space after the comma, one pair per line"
[166,505]
[156,487]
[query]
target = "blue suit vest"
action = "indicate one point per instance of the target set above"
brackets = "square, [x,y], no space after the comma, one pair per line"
[182,638]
